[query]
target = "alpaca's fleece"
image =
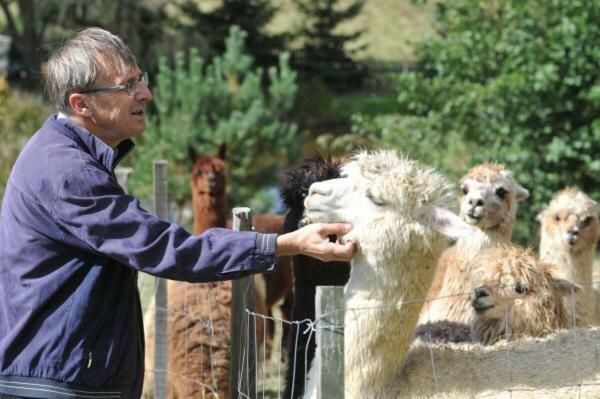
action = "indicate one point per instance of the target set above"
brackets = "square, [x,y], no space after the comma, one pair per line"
[550,367]
[516,296]
[569,235]
[489,202]
[397,208]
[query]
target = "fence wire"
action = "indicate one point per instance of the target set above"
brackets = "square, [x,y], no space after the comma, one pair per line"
[199,375]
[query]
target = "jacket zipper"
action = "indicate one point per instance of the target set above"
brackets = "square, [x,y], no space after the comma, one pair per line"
[89,363]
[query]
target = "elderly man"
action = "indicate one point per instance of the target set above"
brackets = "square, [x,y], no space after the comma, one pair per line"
[72,242]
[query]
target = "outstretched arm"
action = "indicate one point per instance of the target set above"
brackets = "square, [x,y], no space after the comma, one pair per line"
[313,240]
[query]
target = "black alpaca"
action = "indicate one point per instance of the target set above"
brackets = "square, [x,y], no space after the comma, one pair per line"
[308,272]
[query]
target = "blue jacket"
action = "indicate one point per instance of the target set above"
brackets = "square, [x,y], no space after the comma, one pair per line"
[71,245]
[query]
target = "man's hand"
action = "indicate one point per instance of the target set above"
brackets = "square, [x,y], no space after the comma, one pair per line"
[313,240]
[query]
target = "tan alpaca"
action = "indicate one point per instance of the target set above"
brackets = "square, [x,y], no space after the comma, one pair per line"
[515,291]
[398,209]
[517,296]
[489,202]
[569,234]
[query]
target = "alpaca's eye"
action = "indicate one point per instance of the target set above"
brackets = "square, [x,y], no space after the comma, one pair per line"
[520,288]
[501,192]
[587,221]
[465,190]
[557,218]
[374,200]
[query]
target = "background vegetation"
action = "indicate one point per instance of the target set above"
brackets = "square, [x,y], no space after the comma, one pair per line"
[451,83]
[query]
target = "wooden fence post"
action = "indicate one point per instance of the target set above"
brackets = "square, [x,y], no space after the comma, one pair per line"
[242,372]
[160,297]
[329,357]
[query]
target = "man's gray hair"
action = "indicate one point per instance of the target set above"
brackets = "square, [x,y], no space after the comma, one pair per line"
[81,60]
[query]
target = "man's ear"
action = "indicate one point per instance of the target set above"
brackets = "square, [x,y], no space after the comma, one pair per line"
[78,104]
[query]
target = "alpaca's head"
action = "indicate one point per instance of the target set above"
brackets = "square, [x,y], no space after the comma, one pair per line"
[570,222]
[490,196]
[295,182]
[207,176]
[390,201]
[515,290]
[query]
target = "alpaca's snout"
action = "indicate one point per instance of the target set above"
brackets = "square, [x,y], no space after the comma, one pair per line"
[319,189]
[572,236]
[482,300]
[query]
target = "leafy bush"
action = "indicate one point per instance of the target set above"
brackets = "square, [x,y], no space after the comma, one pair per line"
[225,101]
[21,115]
[520,80]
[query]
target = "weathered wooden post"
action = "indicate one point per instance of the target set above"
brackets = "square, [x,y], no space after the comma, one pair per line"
[242,370]
[329,357]
[123,173]
[160,304]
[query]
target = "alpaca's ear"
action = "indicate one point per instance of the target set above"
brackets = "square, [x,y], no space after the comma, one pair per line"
[540,216]
[565,287]
[222,150]
[192,154]
[445,222]
[521,192]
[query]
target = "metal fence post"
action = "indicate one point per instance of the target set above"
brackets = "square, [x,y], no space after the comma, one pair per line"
[161,305]
[242,372]
[329,357]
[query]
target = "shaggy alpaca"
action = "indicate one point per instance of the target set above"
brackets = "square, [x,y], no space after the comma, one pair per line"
[569,235]
[308,272]
[517,296]
[489,202]
[398,209]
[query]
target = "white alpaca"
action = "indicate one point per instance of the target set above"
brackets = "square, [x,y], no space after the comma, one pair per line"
[489,202]
[398,208]
[569,234]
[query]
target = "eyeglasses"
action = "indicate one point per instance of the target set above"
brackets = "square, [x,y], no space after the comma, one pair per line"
[133,87]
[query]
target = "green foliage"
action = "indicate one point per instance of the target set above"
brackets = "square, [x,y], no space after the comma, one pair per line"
[202,105]
[20,116]
[325,53]
[520,80]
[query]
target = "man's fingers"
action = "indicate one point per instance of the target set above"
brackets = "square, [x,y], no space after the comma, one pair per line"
[334,228]
[341,251]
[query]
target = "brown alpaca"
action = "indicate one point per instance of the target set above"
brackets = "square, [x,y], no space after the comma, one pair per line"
[489,202]
[569,234]
[517,296]
[200,314]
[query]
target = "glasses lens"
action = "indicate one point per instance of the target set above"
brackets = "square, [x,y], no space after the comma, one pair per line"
[134,87]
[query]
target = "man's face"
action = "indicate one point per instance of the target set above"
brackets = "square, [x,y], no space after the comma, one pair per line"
[117,116]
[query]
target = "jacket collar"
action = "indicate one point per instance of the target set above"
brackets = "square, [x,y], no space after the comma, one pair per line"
[103,153]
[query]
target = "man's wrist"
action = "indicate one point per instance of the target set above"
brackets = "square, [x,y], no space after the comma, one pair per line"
[285,245]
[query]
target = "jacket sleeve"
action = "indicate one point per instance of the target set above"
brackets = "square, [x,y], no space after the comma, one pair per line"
[92,208]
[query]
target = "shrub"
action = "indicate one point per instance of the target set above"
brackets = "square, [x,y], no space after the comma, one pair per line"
[520,80]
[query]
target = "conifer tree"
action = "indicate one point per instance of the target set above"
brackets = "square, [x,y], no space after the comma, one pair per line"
[250,15]
[325,53]
[203,105]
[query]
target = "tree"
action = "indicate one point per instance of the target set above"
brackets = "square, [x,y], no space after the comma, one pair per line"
[33,24]
[252,16]
[203,105]
[325,53]
[520,81]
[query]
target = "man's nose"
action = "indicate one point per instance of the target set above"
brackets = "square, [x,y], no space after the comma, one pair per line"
[144,95]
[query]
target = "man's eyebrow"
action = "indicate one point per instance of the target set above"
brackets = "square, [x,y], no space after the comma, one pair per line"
[132,78]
